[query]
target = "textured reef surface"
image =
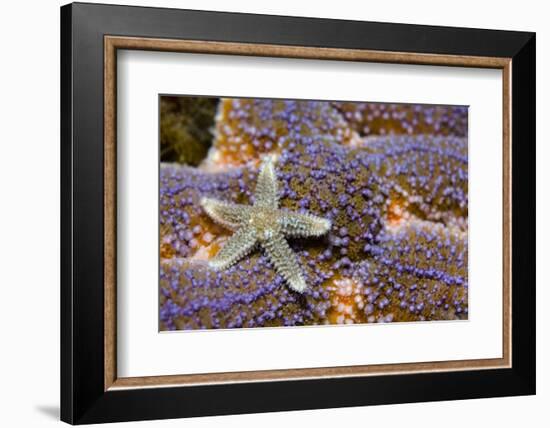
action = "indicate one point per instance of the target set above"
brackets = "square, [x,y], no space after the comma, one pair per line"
[392,180]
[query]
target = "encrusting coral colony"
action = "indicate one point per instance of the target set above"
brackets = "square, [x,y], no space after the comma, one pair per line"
[347,213]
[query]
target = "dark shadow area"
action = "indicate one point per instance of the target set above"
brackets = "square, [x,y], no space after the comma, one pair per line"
[50,411]
[186,128]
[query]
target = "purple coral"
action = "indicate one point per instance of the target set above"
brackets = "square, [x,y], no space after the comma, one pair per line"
[398,203]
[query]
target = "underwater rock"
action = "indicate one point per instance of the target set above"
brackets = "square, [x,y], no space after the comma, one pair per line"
[397,249]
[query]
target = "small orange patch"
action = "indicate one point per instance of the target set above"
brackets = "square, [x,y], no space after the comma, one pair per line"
[166,251]
[346,301]
[213,249]
[396,212]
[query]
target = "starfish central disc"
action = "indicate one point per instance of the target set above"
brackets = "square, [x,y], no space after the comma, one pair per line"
[265,224]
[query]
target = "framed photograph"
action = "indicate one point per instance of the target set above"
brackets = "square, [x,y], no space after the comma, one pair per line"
[265,213]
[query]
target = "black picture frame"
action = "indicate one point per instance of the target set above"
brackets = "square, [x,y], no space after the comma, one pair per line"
[83,396]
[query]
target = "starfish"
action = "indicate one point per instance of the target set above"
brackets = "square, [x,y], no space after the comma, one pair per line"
[266,225]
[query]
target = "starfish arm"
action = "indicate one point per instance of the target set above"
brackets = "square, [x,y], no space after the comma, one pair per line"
[266,187]
[303,225]
[231,216]
[236,247]
[285,262]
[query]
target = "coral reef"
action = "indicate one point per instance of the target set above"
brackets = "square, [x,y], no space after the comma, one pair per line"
[404,119]
[246,128]
[397,201]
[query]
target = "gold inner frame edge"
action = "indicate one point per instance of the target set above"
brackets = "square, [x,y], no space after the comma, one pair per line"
[113,43]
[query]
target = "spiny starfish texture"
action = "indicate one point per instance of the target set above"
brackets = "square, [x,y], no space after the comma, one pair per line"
[264,223]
